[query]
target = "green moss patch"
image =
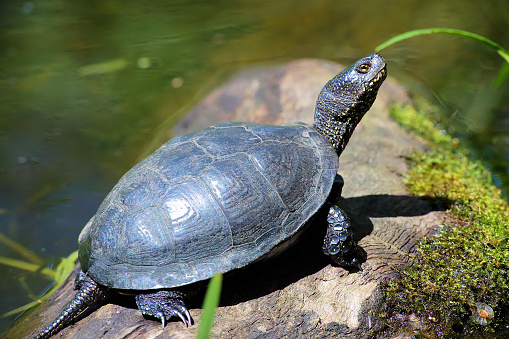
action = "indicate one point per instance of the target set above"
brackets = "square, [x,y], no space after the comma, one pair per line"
[462,272]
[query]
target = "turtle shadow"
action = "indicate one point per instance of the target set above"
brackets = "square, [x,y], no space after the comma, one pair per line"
[305,257]
[361,209]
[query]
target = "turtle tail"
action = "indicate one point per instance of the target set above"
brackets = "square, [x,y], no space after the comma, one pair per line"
[89,293]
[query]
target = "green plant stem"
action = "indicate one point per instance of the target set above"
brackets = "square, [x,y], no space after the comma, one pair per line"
[500,50]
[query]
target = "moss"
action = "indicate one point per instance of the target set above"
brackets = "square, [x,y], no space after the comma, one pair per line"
[466,263]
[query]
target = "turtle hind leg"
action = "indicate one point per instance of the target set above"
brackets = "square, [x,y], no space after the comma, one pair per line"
[164,305]
[89,293]
[338,243]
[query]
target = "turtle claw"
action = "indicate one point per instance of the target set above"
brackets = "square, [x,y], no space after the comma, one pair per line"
[185,317]
[160,316]
[164,305]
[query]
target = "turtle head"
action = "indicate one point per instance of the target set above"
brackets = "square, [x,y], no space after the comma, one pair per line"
[345,99]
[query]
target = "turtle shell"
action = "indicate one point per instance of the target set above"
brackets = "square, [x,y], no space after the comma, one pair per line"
[206,202]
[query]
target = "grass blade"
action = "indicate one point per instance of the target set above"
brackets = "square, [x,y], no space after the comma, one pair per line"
[210,304]
[476,37]
[502,75]
[59,275]
[21,309]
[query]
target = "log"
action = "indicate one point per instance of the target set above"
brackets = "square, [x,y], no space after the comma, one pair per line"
[299,293]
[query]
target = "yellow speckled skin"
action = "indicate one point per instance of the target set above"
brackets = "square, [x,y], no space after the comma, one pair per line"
[345,99]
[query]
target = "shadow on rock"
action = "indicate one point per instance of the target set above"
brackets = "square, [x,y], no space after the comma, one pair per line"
[361,209]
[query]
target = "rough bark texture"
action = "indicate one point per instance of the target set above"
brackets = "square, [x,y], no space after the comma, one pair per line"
[298,294]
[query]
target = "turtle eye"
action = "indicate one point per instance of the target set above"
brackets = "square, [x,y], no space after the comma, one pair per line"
[364,68]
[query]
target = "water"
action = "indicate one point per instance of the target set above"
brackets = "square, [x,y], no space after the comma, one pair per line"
[85,85]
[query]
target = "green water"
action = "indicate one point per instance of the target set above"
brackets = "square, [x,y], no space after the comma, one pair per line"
[84,85]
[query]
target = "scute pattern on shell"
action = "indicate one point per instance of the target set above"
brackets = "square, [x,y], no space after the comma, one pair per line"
[207,202]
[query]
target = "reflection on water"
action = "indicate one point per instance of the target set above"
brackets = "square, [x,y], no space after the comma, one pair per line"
[84,85]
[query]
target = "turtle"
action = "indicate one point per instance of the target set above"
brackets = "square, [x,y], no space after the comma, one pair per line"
[219,199]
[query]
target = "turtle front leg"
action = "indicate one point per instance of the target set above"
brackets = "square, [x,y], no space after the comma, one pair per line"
[338,243]
[164,305]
